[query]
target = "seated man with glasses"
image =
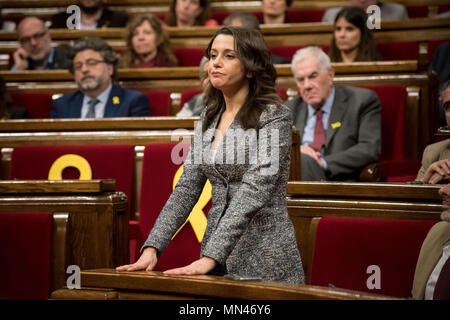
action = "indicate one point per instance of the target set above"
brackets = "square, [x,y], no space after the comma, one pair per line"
[35,51]
[94,66]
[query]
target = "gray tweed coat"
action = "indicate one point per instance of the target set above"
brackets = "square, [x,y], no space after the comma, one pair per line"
[249,232]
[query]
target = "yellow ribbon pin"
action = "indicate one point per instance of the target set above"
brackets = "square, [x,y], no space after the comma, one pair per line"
[335,125]
[116,100]
[70,160]
[197,217]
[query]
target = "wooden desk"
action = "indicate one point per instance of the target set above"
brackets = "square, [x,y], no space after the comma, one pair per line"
[309,200]
[111,285]
[90,220]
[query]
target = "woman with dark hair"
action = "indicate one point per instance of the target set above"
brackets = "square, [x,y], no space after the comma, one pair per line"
[188,13]
[148,44]
[242,146]
[352,40]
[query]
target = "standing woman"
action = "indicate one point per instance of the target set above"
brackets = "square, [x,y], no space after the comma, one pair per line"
[249,232]
[188,13]
[148,44]
[352,40]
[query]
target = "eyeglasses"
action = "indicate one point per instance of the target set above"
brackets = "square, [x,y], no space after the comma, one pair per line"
[36,37]
[89,63]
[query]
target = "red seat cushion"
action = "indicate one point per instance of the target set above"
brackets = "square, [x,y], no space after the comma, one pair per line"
[25,250]
[159,102]
[345,248]
[285,51]
[37,104]
[189,57]
[393,100]
[158,171]
[304,15]
[106,162]
[417,11]
[187,95]
[406,50]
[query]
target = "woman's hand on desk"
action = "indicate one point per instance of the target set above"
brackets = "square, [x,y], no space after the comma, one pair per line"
[147,261]
[201,266]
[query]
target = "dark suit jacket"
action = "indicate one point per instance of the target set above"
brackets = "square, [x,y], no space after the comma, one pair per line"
[121,103]
[353,134]
[110,19]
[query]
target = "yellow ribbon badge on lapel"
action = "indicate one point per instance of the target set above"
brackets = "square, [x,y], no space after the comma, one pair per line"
[116,100]
[197,217]
[335,125]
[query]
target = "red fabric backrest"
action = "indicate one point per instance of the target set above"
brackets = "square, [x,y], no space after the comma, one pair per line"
[219,16]
[187,95]
[189,57]
[282,93]
[345,247]
[406,50]
[159,102]
[432,46]
[25,250]
[393,100]
[304,15]
[106,162]
[37,104]
[285,51]
[443,8]
[417,11]
[158,171]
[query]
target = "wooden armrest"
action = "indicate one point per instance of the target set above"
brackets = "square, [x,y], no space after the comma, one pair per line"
[373,172]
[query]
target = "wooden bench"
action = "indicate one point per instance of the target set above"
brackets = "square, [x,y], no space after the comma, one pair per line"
[90,221]
[421,30]
[107,284]
[310,200]
[14,10]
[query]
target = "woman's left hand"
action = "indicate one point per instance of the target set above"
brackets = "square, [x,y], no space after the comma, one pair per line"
[200,266]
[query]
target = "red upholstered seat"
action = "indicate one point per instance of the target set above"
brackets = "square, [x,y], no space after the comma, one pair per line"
[106,162]
[158,172]
[417,11]
[405,50]
[398,168]
[37,104]
[189,57]
[443,8]
[25,248]
[159,102]
[187,95]
[345,248]
[432,46]
[304,15]
[285,51]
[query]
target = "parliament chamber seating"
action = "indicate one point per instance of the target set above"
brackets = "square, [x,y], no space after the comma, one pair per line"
[189,57]
[25,253]
[160,102]
[158,172]
[38,104]
[103,161]
[370,255]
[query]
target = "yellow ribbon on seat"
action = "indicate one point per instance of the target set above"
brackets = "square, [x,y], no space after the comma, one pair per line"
[197,217]
[70,160]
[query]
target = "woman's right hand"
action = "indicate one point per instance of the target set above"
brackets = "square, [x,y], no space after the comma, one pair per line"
[147,261]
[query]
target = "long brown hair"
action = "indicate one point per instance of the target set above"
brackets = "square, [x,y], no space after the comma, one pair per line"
[171,18]
[253,53]
[162,37]
[366,47]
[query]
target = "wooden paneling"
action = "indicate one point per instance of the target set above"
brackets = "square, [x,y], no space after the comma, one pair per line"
[109,284]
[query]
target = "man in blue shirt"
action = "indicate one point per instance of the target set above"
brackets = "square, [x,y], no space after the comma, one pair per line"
[35,51]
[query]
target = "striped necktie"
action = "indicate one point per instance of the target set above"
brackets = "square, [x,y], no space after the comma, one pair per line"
[91,110]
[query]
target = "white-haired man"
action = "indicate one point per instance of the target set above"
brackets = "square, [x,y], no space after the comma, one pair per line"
[340,126]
